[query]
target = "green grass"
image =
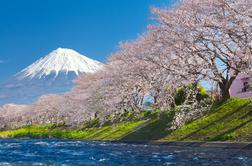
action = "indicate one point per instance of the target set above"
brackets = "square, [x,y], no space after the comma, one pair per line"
[113,132]
[144,126]
[231,121]
[156,128]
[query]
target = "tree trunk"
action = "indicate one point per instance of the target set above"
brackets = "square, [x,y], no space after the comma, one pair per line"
[225,95]
[224,88]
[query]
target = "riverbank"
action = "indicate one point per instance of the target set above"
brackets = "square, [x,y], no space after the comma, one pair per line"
[229,122]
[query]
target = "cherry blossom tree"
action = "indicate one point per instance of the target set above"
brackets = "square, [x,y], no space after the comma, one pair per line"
[157,80]
[211,39]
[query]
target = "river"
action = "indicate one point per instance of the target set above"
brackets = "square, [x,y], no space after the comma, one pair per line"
[94,153]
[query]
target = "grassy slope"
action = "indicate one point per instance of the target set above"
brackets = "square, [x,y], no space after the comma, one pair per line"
[49,131]
[148,127]
[232,121]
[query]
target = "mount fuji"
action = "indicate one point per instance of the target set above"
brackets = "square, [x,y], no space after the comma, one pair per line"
[52,74]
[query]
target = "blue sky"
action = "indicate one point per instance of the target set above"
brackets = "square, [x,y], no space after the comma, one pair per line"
[30,29]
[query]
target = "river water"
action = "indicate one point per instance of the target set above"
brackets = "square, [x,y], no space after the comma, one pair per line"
[94,153]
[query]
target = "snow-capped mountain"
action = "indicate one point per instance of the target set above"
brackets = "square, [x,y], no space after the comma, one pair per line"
[52,74]
[60,60]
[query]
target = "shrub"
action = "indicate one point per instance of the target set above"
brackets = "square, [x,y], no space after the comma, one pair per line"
[183,92]
[91,123]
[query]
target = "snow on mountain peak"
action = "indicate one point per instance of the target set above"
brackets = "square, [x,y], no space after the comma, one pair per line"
[61,60]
